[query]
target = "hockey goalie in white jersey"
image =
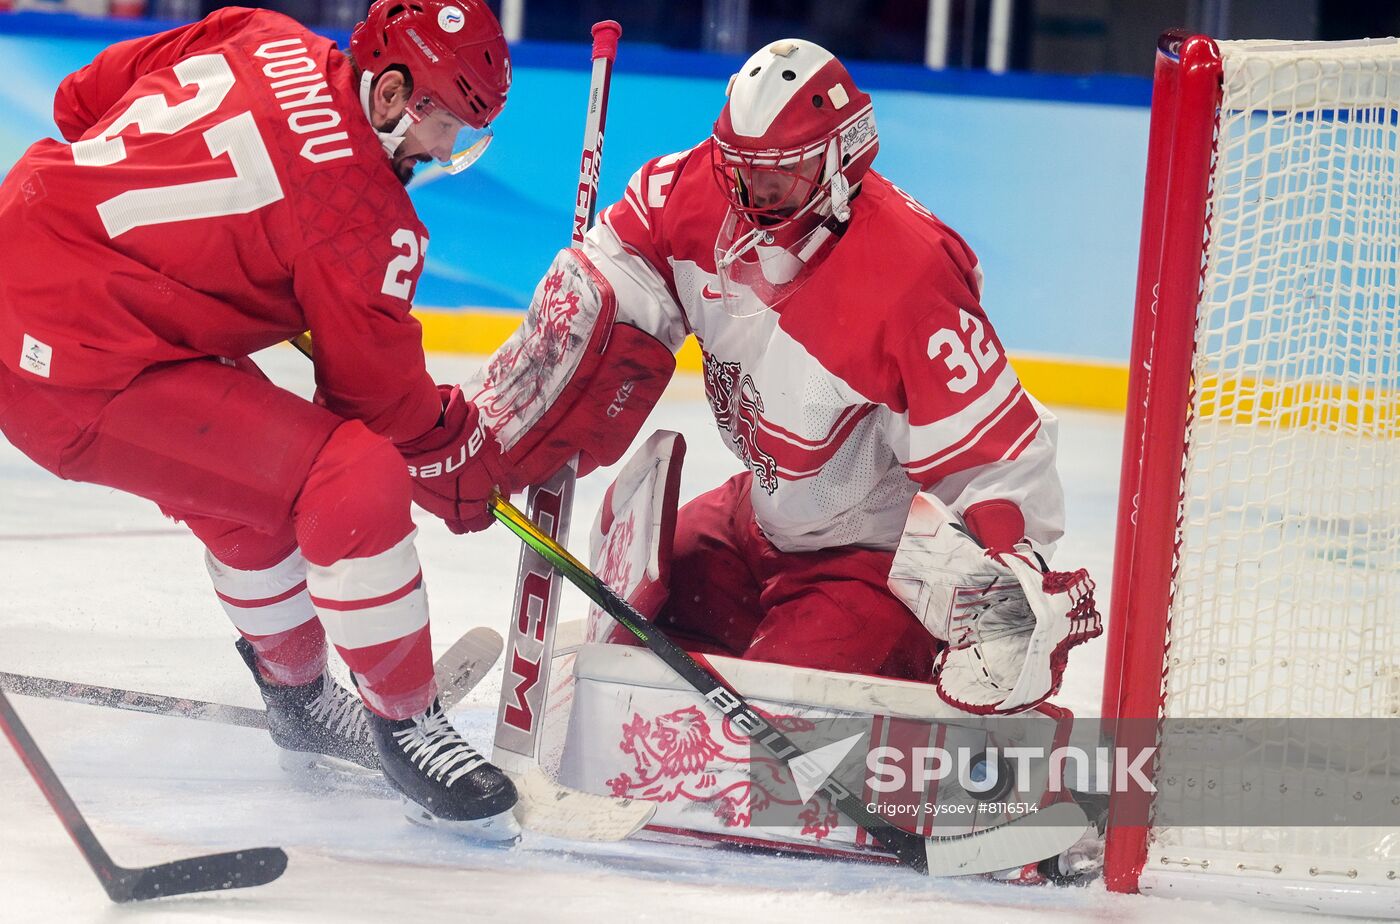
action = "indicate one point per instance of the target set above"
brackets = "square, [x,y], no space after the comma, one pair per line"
[900,496]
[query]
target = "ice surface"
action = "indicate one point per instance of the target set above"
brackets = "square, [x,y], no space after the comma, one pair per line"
[99,588]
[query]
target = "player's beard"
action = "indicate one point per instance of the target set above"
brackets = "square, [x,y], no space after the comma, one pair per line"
[405,164]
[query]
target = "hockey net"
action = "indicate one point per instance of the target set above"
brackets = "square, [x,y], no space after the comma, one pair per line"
[1257,569]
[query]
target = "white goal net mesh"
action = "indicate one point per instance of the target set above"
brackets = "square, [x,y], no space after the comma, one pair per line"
[1286,601]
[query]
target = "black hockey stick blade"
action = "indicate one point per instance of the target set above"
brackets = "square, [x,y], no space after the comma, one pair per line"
[239,869]
[1032,837]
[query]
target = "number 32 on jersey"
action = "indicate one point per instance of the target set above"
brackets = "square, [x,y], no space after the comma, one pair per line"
[967,353]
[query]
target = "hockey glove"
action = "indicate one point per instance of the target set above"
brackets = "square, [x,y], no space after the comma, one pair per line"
[1007,621]
[456,465]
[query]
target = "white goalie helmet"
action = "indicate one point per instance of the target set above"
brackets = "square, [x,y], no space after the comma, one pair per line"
[793,141]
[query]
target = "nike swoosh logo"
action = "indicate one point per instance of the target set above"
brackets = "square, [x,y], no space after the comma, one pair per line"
[709,293]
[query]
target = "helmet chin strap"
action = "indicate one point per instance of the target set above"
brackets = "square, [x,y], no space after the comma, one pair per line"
[840,189]
[391,139]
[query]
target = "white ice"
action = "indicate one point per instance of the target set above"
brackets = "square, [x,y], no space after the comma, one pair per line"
[100,588]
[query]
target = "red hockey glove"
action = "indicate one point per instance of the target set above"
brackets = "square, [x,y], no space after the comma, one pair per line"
[456,465]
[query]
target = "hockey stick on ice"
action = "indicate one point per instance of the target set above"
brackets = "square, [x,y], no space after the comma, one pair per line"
[1029,839]
[236,870]
[459,670]
[546,806]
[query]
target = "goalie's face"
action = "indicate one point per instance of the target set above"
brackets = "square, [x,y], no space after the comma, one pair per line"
[768,189]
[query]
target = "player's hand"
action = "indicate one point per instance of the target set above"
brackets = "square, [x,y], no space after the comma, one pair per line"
[456,465]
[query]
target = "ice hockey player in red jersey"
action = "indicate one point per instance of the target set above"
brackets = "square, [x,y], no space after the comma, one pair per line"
[226,186]
[900,494]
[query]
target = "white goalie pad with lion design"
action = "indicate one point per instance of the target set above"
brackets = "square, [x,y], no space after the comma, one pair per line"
[632,729]
[630,546]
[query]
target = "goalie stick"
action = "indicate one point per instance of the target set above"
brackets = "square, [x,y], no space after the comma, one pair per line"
[545,805]
[215,872]
[1036,836]
[458,671]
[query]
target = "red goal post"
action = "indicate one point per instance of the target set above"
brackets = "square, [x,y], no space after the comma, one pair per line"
[1257,557]
[1185,93]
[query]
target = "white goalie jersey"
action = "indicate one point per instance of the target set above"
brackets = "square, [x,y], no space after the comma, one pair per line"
[877,378]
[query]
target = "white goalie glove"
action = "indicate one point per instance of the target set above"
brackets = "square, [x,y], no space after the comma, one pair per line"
[1008,623]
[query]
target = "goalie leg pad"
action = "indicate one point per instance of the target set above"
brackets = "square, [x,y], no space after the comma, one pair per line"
[633,536]
[637,730]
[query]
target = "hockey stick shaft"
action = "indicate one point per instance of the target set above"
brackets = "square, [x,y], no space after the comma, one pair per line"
[605,38]
[544,804]
[199,874]
[458,671]
[43,774]
[92,694]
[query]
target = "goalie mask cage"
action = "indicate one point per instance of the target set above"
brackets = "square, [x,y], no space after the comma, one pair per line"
[1257,561]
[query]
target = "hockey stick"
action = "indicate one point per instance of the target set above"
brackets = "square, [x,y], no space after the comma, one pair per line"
[237,870]
[458,671]
[545,805]
[1030,839]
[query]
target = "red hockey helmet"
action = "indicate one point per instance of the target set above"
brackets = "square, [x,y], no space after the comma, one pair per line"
[455,55]
[794,136]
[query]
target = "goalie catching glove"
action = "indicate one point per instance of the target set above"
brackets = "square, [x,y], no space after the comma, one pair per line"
[1007,621]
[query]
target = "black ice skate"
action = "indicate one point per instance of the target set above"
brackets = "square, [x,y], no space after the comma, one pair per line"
[446,782]
[317,726]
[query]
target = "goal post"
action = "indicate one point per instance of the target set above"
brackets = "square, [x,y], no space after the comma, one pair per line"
[1257,558]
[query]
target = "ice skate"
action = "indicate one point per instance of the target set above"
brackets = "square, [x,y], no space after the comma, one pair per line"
[446,783]
[319,727]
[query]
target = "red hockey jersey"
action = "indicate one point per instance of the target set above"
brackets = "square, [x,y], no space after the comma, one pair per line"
[878,377]
[223,192]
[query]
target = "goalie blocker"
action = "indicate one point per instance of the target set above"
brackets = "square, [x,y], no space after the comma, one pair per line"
[632,729]
[569,377]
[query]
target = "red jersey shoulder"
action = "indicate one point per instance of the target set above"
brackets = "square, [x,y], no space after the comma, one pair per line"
[898,280]
[668,204]
[694,206]
[909,246]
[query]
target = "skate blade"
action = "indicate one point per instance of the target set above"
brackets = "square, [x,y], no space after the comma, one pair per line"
[321,770]
[494,831]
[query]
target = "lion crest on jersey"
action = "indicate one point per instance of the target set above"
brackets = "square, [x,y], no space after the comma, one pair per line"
[677,756]
[736,404]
